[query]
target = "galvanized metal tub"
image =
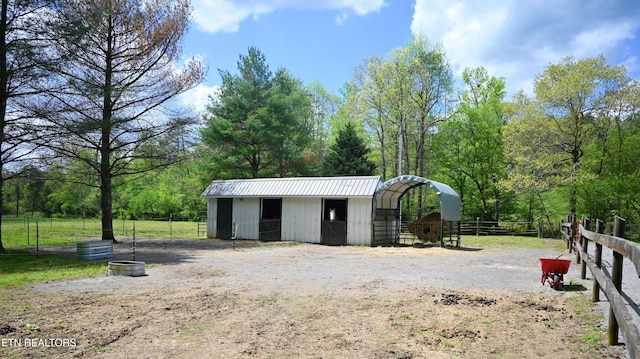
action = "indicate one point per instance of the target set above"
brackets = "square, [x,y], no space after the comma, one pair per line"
[93,250]
[126,268]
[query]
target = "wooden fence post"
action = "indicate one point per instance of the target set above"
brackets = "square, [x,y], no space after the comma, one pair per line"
[595,296]
[585,246]
[616,278]
[574,228]
[477,226]
[563,231]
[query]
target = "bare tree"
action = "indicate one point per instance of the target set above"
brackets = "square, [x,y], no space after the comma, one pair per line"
[21,61]
[110,103]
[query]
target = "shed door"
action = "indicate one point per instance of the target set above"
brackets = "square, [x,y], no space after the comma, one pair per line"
[224,218]
[334,222]
[270,219]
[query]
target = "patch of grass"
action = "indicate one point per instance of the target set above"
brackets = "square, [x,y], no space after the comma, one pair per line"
[593,333]
[19,268]
[511,242]
[196,329]
[25,231]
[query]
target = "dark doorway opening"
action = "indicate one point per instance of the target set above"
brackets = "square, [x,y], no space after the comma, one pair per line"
[334,222]
[270,219]
[224,218]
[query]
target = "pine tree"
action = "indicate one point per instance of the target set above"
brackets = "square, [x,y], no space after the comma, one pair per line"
[348,155]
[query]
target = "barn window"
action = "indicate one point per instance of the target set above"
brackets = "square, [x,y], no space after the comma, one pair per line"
[339,206]
[271,208]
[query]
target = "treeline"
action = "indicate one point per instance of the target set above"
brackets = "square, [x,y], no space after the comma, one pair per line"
[174,192]
[572,146]
[90,128]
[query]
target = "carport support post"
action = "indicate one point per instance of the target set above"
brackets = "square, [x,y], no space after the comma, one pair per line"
[595,296]
[441,232]
[616,278]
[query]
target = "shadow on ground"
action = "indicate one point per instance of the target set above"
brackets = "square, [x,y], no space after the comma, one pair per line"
[161,251]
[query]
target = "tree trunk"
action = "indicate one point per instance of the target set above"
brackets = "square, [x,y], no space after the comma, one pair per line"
[1,204]
[546,214]
[3,99]
[106,196]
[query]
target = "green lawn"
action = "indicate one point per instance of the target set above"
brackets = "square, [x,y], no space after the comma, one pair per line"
[511,242]
[19,268]
[26,232]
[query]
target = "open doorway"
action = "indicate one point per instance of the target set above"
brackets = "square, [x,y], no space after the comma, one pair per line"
[270,219]
[334,222]
[224,218]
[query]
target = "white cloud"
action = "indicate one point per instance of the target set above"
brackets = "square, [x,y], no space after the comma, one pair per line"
[518,39]
[198,97]
[226,15]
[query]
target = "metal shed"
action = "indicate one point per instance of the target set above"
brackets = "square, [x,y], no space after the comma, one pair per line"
[358,210]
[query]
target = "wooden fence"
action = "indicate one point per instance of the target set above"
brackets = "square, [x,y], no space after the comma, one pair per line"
[536,228]
[577,236]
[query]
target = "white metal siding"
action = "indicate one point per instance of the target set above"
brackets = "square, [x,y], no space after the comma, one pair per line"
[212,217]
[301,218]
[246,214]
[359,221]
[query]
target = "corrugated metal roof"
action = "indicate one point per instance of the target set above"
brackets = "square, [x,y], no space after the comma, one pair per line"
[389,193]
[342,187]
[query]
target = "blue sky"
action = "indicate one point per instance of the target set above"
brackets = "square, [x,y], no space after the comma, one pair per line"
[325,40]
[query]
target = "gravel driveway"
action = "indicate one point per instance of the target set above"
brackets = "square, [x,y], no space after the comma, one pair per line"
[264,300]
[282,267]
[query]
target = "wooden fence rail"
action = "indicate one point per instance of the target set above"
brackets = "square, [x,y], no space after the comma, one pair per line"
[578,235]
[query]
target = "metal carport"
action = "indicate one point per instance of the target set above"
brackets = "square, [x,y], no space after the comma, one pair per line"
[387,206]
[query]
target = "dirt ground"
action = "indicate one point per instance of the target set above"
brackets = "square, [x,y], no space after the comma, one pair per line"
[246,299]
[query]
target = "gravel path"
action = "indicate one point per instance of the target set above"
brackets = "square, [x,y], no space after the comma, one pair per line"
[285,267]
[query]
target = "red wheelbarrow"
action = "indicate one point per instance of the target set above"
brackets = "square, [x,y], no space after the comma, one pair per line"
[553,270]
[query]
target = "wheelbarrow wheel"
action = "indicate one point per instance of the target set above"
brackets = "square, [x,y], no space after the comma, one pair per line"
[557,281]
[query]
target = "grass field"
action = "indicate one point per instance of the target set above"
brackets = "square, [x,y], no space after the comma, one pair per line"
[19,268]
[26,232]
[512,242]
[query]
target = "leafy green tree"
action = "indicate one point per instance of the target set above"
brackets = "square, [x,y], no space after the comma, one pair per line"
[607,184]
[572,94]
[324,107]
[110,104]
[257,125]
[366,98]
[348,156]
[471,151]
[534,162]
[173,191]
[402,98]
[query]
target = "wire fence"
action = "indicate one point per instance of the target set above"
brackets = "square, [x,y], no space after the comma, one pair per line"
[33,231]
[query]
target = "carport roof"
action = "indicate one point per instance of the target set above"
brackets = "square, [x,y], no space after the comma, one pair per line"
[388,195]
[325,187]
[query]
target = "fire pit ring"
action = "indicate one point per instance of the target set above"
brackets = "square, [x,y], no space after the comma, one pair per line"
[126,268]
